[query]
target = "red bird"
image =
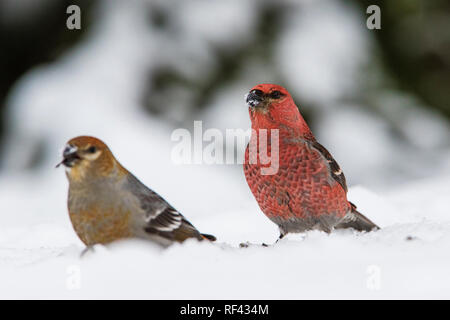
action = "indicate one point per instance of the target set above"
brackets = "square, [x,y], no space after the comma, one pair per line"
[306,188]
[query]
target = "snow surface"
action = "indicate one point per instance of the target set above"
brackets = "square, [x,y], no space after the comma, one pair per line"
[82,94]
[410,255]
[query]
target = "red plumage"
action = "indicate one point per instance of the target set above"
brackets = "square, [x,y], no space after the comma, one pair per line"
[308,190]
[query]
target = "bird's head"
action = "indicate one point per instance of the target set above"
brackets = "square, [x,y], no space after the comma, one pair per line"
[271,107]
[86,155]
[264,97]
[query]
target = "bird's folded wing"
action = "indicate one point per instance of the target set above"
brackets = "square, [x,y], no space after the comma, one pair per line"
[336,173]
[160,217]
[171,224]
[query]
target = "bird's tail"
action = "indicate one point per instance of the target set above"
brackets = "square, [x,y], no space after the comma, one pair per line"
[208,237]
[357,221]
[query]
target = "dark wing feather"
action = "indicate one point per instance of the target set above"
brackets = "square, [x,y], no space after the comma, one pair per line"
[172,225]
[160,217]
[335,169]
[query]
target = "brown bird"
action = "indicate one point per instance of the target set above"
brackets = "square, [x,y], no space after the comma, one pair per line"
[108,203]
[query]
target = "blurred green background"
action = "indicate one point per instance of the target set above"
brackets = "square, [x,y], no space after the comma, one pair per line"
[389,73]
[413,47]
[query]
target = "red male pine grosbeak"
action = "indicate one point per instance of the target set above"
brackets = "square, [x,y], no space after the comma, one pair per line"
[308,189]
[107,203]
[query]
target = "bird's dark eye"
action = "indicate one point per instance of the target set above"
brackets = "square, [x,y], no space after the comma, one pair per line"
[275,94]
[92,149]
[257,92]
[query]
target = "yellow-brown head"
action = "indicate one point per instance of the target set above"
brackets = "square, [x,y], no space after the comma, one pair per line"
[86,156]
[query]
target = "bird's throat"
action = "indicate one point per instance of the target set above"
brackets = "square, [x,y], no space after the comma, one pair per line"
[288,126]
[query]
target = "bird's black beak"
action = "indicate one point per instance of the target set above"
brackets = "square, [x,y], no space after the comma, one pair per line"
[70,156]
[255,98]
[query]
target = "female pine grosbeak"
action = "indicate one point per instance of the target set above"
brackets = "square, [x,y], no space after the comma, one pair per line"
[107,203]
[308,189]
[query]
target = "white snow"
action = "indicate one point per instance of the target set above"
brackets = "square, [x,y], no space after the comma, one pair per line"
[82,94]
[41,259]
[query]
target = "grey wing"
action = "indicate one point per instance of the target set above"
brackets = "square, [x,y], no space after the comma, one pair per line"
[336,172]
[160,218]
[171,224]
